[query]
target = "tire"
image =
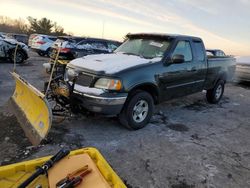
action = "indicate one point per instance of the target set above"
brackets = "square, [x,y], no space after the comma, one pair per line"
[20,56]
[137,111]
[41,53]
[48,52]
[214,95]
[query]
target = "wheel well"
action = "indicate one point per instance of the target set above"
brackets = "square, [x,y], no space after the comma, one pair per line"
[222,77]
[10,51]
[151,89]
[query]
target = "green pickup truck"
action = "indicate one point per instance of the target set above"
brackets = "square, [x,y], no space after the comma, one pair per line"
[145,70]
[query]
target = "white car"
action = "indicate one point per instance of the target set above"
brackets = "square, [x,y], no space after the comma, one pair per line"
[242,72]
[42,44]
[31,37]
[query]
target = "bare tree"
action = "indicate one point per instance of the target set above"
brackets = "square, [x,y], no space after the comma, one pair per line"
[9,25]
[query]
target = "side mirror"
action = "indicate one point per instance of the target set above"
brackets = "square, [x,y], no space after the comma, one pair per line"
[178,58]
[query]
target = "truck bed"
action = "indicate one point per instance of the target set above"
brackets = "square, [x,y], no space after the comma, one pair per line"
[219,66]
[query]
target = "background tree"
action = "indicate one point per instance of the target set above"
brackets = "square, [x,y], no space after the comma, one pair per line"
[45,26]
[42,26]
[58,30]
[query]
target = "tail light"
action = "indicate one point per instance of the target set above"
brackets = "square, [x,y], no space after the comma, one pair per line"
[40,42]
[64,50]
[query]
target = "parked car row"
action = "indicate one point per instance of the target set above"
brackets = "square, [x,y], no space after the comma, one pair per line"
[70,47]
[74,47]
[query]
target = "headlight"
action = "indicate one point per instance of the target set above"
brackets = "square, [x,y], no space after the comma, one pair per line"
[110,84]
[70,74]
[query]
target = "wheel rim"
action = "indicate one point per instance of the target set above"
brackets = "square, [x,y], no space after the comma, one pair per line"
[218,92]
[140,111]
[18,57]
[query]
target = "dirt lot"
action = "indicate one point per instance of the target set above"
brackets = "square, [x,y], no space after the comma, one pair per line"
[188,144]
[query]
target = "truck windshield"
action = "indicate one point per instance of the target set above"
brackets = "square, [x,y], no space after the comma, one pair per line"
[146,48]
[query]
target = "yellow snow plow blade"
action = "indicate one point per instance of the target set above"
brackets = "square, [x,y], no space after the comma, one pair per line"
[31,109]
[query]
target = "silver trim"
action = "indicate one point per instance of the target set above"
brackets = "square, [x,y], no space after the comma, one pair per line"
[103,100]
[188,83]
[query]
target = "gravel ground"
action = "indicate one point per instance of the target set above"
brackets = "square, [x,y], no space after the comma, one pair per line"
[188,144]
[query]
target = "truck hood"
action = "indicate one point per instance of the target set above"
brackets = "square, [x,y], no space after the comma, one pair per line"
[110,63]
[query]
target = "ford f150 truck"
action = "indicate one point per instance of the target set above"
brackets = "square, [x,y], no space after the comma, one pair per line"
[145,70]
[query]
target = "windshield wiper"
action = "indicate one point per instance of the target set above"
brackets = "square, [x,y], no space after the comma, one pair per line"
[129,53]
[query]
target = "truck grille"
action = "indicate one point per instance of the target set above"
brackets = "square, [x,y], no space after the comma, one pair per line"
[84,80]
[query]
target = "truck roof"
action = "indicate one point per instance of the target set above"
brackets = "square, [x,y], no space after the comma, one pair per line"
[162,35]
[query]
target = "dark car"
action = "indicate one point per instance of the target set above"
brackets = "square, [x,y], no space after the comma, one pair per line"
[19,37]
[75,47]
[215,53]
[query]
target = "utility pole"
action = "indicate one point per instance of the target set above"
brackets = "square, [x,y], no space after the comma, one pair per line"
[103,25]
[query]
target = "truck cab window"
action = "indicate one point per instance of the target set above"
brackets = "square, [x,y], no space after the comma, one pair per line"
[199,51]
[184,48]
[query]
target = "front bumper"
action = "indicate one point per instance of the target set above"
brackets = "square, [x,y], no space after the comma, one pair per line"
[98,100]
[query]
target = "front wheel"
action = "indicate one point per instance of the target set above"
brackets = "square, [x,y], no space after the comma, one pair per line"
[20,57]
[137,111]
[214,95]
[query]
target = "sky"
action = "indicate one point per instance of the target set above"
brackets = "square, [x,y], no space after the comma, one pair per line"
[223,24]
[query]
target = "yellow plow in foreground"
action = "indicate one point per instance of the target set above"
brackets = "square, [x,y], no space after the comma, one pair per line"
[31,109]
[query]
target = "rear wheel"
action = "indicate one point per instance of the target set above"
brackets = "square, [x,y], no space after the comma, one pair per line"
[137,111]
[49,52]
[41,53]
[214,95]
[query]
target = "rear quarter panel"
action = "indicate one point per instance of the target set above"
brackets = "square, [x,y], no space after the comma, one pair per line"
[219,68]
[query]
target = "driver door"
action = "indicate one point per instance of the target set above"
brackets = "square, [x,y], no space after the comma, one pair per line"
[178,78]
